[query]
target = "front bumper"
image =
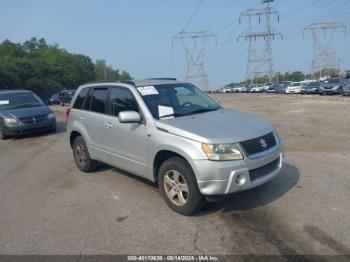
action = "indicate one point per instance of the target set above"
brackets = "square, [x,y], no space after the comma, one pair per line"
[219,177]
[24,129]
[330,91]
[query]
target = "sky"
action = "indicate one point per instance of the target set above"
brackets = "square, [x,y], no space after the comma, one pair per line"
[137,35]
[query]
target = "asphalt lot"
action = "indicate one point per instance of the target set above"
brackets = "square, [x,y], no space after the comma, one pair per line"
[49,207]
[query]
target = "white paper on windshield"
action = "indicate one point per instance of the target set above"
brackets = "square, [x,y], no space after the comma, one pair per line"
[4,102]
[147,90]
[165,111]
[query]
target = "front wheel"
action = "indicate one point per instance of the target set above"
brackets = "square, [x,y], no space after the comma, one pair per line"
[82,157]
[3,136]
[178,186]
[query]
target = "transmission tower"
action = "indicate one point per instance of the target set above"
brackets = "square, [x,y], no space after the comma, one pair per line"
[194,46]
[324,45]
[260,60]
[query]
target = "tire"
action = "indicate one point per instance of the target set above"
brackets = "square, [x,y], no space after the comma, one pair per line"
[3,136]
[82,157]
[178,186]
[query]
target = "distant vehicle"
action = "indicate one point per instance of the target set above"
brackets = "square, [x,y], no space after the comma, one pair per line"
[294,88]
[310,88]
[66,96]
[23,112]
[257,89]
[272,88]
[346,87]
[239,89]
[226,90]
[282,86]
[331,86]
[54,99]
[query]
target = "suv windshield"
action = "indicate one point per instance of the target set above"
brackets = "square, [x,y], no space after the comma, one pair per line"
[19,100]
[174,100]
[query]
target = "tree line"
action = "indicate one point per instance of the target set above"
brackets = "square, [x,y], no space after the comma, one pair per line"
[46,69]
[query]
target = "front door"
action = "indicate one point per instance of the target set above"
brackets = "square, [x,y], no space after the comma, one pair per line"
[126,142]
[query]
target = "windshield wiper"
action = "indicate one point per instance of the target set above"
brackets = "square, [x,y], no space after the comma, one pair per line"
[202,110]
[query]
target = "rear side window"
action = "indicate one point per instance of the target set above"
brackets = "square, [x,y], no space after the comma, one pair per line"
[99,100]
[122,100]
[78,104]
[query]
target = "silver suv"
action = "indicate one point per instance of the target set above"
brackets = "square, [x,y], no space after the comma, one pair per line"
[172,133]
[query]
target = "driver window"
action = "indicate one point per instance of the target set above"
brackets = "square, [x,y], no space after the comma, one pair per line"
[122,100]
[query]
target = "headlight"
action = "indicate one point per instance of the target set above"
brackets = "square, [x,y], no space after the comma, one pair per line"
[222,152]
[51,116]
[10,121]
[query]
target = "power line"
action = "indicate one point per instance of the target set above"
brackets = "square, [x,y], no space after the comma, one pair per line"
[193,15]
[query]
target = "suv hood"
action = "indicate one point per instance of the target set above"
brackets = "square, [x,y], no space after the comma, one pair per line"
[26,112]
[221,126]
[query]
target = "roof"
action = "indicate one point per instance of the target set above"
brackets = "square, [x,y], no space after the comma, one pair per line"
[142,82]
[12,91]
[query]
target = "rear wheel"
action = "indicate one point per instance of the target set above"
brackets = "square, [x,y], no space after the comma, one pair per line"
[178,186]
[82,157]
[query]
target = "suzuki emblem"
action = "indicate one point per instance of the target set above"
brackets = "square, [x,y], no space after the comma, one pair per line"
[263,143]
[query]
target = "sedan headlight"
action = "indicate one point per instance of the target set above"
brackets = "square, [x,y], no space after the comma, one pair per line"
[220,152]
[10,121]
[51,116]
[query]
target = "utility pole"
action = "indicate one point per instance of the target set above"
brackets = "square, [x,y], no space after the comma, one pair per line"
[194,47]
[324,44]
[260,60]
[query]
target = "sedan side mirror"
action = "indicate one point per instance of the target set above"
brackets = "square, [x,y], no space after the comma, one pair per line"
[129,117]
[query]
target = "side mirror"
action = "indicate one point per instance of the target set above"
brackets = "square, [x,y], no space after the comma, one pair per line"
[129,117]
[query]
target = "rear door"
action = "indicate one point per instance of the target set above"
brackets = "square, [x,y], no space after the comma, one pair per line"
[96,108]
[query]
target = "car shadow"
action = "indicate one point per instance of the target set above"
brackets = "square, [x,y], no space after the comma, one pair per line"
[258,196]
[240,201]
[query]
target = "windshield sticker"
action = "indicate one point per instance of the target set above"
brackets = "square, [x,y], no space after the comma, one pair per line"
[4,102]
[147,90]
[165,111]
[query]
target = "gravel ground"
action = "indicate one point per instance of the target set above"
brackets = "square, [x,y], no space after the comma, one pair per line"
[49,207]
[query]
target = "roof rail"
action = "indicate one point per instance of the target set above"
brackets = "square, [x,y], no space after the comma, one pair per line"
[163,78]
[130,82]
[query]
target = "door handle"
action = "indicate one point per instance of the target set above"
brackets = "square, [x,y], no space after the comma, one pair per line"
[109,125]
[82,118]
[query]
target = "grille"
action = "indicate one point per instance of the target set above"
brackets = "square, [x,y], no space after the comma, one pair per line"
[31,119]
[263,170]
[259,144]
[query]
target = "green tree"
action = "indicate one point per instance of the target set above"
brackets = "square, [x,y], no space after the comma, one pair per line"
[46,69]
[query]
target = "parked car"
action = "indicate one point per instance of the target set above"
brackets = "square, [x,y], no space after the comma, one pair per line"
[172,133]
[281,87]
[272,88]
[310,88]
[331,86]
[239,89]
[294,88]
[65,96]
[23,112]
[257,89]
[346,87]
[226,90]
[54,99]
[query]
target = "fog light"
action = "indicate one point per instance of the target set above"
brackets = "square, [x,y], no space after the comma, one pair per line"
[240,180]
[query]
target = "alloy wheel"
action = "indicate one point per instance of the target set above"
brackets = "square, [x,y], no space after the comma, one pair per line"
[176,188]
